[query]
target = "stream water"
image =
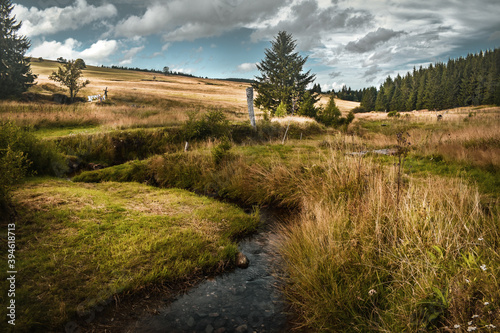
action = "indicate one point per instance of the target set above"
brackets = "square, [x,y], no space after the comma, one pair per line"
[244,300]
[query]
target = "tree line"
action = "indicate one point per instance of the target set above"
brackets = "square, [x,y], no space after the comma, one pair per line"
[466,81]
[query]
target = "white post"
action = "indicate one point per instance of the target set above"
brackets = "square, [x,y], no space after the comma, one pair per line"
[250,106]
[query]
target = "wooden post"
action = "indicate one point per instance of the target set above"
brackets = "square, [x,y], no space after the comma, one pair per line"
[251,113]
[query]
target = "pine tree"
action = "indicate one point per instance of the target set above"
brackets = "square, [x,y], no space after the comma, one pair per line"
[331,114]
[369,97]
[282,80]
[15,72]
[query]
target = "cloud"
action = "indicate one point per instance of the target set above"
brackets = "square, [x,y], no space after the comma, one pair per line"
[494,36]
[52,20]
[313,25]
[130,54]
[371,73]
[372,40]
[211,18]
[183,70]
[95,54]
[166,46]
[333,75]
[247,67]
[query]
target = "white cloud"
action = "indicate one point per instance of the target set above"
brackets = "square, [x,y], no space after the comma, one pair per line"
[130,54]
[247,67]
[97,53]
[166,46]
[54,49]
[55,19]
[183,70]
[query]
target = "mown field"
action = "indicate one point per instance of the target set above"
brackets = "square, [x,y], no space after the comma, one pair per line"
[402,242]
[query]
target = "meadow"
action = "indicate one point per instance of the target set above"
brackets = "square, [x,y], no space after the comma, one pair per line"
[376,243]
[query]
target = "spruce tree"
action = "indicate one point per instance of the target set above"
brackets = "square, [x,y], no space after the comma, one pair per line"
[282,79]
[15,71]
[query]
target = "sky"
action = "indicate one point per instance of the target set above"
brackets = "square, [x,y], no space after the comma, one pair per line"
[357,43]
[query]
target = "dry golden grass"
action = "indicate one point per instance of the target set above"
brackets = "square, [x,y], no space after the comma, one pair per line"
[456,114]
[135,99]
[293,119]
[358,259]
[344,106]
[216,93]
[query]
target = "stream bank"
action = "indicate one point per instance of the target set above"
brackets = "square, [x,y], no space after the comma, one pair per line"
[244,300]
[240,300]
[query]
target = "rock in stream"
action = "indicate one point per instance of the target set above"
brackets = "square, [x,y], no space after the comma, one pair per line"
[244,300]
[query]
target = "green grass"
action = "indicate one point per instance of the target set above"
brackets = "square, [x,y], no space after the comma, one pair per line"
[486,179]
[79,244]
[67,130]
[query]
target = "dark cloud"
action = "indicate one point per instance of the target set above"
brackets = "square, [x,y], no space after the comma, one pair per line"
[333,75]
[372,40]
[310,25]
[371,73]
[179,20]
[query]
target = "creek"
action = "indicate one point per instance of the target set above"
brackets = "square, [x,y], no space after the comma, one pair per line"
[244,300]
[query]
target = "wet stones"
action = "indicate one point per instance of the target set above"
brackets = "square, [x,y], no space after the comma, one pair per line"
[242,261]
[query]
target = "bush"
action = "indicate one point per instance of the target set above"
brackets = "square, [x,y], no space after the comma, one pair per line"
[212,125]
[281,111]
[120,146]
[22,154]
[359,109]
[331,114]
[221,151]
[393,114]
[43,156]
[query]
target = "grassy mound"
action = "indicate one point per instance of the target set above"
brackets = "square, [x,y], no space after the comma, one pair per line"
[79,244]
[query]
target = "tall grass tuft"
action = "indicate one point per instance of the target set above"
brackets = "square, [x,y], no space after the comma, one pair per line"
[355,260]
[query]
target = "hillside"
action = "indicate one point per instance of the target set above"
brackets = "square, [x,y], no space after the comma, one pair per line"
[124,85]
[225,93]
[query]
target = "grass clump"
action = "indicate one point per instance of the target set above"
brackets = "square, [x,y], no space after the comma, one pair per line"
[356,260]
[79,244]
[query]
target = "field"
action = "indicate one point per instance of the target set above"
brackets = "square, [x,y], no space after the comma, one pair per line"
[407,240]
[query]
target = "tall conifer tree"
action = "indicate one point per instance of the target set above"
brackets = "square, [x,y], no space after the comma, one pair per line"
[15,72]
[282,79]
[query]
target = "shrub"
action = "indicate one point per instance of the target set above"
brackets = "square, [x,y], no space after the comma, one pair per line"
[21,154]
[44,156]
[221,151]
[331,114]
[393,114]
[214,124]
[281,111]
[307,107]
[359,109]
